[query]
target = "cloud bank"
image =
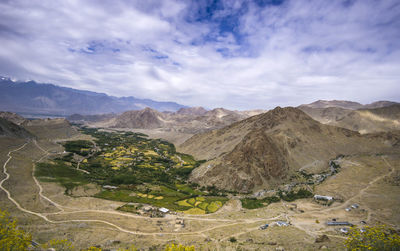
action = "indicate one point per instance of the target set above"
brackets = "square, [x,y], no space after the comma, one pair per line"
[233,54]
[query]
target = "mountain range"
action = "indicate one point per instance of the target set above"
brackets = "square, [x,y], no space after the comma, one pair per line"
[186,120]
[347,104]
[266,150]
[376,117]
[37,98]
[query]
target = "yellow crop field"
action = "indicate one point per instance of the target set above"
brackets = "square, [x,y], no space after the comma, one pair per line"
[191,201]
[203,205]
[214,206]
[150,152]
[184,203]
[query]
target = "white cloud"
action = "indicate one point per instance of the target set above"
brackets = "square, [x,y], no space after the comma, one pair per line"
[289,54]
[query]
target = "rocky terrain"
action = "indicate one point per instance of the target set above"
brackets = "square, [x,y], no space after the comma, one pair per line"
[266,150]
[185,120]
[50,128]
[347,104]
[259,153]
[364,120]
[13,117]
[10,129]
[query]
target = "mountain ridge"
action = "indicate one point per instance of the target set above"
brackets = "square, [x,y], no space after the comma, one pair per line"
[33,97]
[265,150]
[347,104]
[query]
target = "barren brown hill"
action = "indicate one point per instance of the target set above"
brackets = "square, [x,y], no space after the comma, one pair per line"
[186,120]
[267,149]
[335,103]
[146,119]
[12,130]
[50,128]
[192,111]
[380,104]
[385,118]
[348,104]
[13,117]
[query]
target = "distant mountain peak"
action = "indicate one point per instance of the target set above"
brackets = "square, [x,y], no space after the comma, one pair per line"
[192,111]
[39,98]
[347,104]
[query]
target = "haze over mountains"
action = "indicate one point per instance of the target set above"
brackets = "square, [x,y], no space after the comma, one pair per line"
[32,97]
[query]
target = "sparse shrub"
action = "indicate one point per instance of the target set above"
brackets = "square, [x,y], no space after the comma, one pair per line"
[232,239]
[62,245]
[379,238]
[93,249]
[174,247]
[132,248]
[12,238]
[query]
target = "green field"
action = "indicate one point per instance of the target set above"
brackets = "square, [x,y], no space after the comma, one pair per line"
[145,171]
[202,205]
[59,171]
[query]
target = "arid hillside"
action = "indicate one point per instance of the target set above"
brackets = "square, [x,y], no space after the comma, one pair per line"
[364,120]
[13,117]
[12,130]
[50,128]
[267,149]
[186,120]
[351,105]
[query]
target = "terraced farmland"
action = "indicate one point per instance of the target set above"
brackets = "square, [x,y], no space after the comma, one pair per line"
[131,168]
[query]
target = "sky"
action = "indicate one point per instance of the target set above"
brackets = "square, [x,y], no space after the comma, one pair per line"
[254,54]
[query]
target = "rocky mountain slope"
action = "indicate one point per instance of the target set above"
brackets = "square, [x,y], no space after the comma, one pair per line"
[13,117]
[192,111]
[50,128]
[267,149]
[12,130]
[347,104]
[365,120]
[32,97]
[185,120]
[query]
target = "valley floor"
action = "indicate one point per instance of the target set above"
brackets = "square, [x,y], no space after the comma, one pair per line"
[43,209]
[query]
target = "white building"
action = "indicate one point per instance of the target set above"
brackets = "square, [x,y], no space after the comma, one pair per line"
[282,224]
[323,197]
[164,210]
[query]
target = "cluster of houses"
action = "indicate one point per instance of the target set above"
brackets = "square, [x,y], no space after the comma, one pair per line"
[354,206]
[334,222]
[278,223]
[154,212]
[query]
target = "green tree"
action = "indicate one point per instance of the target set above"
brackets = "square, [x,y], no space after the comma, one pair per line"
[12,238]
[378,238]
[174,247]
[59,245]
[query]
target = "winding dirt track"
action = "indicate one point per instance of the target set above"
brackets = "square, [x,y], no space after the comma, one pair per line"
[227,222]
[44,216]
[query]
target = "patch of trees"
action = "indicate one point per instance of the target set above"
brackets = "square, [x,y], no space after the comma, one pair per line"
[77,147]
[292,196]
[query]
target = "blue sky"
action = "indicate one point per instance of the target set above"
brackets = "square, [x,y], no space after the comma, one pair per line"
[233,54]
